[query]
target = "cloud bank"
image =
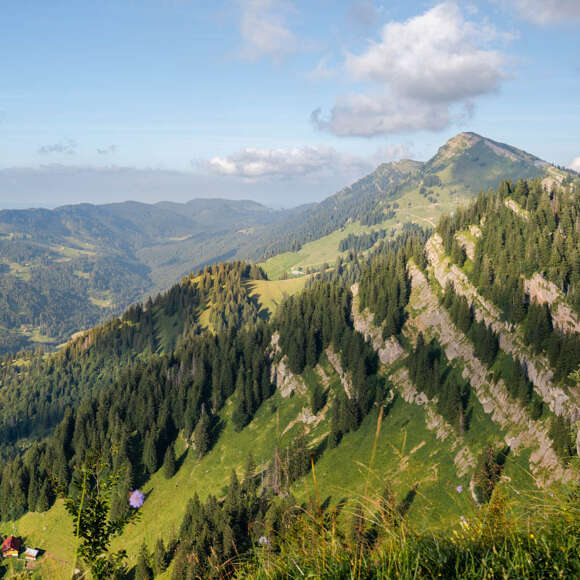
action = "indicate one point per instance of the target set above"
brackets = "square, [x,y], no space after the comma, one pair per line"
[422,74]
[253,164]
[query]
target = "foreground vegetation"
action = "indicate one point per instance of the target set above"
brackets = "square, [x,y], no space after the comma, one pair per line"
[490,542]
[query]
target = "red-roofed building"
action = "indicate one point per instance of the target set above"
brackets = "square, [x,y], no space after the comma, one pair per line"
[11,547]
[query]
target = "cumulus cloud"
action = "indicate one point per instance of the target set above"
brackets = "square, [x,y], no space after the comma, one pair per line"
[107,150]
[575,165]
[548,11]
[263,29]
[66,147]
[423,74]
[253,164]
[376,114]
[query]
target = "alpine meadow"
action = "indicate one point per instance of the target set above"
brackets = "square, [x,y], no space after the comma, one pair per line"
[245,334]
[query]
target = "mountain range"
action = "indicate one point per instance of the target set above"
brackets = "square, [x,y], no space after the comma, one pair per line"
[402,397]
[64,270]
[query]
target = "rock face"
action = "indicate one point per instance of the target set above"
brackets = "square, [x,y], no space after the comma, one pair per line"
[467,244]
[285,380]
[344,378]
[281,376]
[389,350]
[517,209]
[510,337]
[520,430]
[307,418]
[543,291]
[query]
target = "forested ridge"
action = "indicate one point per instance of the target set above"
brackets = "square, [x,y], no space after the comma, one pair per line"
[514,246]
[67,269]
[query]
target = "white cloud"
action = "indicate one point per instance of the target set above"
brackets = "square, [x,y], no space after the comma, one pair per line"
[427,69]
[253,164]
[263,29]
[376,114]
[548,11]
[575,164]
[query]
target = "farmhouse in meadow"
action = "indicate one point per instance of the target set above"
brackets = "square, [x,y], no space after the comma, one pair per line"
[11,547]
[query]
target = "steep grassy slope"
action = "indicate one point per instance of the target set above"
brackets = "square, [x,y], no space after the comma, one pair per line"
[405,447]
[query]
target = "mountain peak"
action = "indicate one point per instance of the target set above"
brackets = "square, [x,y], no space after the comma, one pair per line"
[467,140]
[459,143]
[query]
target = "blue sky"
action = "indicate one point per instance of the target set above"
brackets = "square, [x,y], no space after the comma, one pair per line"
[283,101]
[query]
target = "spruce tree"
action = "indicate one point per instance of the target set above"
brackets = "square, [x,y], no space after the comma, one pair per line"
[201,434]
[169,462]
[159,558]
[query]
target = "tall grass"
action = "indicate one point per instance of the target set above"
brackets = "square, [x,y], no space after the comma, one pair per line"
[492,542]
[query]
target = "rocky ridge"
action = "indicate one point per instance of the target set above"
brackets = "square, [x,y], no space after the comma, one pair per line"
[510,337]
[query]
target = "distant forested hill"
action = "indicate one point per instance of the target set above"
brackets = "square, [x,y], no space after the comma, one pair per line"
[66,269]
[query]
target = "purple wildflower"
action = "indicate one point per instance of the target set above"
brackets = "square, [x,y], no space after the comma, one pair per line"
[263,541]
[136,499]
[459,488]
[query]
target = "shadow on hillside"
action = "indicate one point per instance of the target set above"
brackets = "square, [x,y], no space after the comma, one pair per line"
[407,501]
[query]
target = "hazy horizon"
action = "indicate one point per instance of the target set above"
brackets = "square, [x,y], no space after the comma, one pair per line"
[280,101]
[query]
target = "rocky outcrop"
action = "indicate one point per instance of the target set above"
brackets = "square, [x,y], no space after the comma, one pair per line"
[466,240]
[517,209]
[285,380]
[520,431]
[388,350]
[467,244]
[344,378]
[307,418]
[475,231]
[543,291]
[510,337]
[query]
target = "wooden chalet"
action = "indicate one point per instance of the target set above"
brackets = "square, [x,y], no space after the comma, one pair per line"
[11,547]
